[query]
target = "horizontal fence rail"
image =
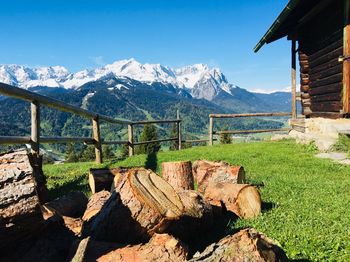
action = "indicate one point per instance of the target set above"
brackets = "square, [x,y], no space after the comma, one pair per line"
[35,139]
[233,132]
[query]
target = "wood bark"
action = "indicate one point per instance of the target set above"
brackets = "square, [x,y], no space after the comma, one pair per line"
[197,218]
[246,245]
[95,204]
[242,199]
[161,247]
[206,172]
[20,213]
[178,175]
[70,205]
[141,205]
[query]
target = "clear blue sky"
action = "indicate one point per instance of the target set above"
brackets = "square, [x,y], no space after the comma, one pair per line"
[85,34]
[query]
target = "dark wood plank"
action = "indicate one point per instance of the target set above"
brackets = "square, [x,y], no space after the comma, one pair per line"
[337,87]
[338,78]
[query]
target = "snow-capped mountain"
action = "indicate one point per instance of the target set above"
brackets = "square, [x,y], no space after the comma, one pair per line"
[200,80]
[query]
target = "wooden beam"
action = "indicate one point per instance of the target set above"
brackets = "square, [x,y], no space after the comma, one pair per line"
[179,135]
[166,121]
[155,141]
[294,79]
[253,131]
[51,140]
[346,62]
[248,115]
[131,140]
[8,140]
[211,131]
[35,127]
[97,139]
[115,142]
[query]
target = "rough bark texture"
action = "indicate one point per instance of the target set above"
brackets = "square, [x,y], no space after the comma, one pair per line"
[246,245]
[20,214]
[161,247]
[70,205]
[141,205]
[206,172]
[241,199]
[118,173]
[197,218]
[95,204]
[178,175]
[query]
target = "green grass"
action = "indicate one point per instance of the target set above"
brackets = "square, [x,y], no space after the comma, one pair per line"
[306,199]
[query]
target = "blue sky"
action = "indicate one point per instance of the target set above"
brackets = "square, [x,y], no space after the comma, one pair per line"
[86,34]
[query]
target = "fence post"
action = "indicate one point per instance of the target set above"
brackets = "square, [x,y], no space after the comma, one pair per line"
[294,85]
[131,139]
[179,135]
[211,126]
[35,127]
[97,139]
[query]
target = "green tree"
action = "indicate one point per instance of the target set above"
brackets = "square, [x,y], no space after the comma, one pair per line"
[225,138]
[71,154]
[124,152]
[88,153]
[174,145]
[107,152]
[149,133]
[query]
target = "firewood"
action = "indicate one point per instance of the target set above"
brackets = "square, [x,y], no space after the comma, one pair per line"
[161,247]
[95,204]
[242,199]
[20,213]
[102,178]
[217,172]
[118,174]
[246,245]
[197,217]
[178,175]
[71,205]
[141,205]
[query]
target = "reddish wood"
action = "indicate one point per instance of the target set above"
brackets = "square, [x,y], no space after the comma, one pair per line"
[178,175]
[95,204]
[329,106]
[246,245]
[332,88]
[338,78]
[208,171]
[141,205]
[346,66]
[241,199]
[161,247]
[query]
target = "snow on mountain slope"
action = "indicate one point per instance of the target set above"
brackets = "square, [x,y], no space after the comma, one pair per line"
[199,79]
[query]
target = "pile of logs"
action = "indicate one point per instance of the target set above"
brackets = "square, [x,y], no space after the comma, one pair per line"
[133,215]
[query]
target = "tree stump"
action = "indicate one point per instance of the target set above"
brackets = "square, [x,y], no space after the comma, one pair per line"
[161,247]
[95,204]
[197,218]
[178,175]
[102,178]
[141,205]
[241,199]
[71,205]
[246,245]
[206,172]
[20,213]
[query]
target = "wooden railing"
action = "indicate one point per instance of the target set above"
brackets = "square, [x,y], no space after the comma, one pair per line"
[35,139]
[214,116]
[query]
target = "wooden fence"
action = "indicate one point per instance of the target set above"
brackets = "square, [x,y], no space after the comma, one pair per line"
[35,139]
[214,116]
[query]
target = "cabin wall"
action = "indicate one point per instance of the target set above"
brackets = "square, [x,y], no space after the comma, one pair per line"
[321,74]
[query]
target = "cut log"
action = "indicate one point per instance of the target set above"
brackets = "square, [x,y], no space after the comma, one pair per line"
[178,175]
[95,204]
[206,172]
[162,247]
[118,173]
[102,178]
[241,199]
[70,205]
[141,205]
[20,213]
[246,245]
[197,218]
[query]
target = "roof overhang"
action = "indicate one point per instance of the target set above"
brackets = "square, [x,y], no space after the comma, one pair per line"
[296,12]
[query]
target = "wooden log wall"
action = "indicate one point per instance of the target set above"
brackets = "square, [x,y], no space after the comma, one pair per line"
[321,74]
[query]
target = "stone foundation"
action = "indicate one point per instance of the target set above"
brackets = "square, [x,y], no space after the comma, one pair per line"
[322,131]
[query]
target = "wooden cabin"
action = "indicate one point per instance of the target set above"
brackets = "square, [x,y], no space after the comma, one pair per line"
[320,34]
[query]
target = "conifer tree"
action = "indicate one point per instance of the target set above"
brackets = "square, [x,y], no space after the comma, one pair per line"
[225,138]
[71,155]
[174,145]
[149,133]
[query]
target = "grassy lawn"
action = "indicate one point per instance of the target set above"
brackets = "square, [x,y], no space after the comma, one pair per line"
[306,199]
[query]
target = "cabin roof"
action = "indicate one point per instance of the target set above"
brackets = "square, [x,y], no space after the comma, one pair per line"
[295,13]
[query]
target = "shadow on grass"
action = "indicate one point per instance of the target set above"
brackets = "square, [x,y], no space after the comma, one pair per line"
[267,206]
[79,183]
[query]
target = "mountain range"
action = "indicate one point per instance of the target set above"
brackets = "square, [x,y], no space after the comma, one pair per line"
[131,90]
